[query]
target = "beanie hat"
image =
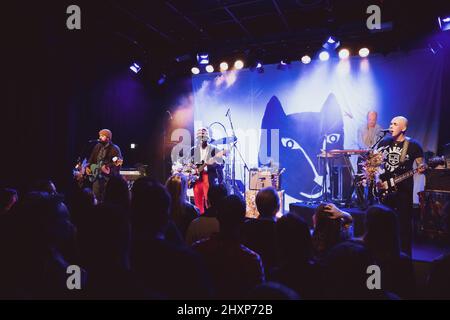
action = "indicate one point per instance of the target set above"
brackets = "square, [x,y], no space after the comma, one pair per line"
[106,132]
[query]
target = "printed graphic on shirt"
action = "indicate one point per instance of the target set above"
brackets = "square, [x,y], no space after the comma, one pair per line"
[392,156]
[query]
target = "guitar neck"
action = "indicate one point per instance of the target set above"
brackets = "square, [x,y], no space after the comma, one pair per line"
[406,175]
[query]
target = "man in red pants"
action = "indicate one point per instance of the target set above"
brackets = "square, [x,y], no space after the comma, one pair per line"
[208,160]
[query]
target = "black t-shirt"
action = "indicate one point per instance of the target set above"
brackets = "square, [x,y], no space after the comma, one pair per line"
[391,154]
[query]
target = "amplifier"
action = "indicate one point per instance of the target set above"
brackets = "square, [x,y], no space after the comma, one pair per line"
[260,179]
[434,216]
[438,179]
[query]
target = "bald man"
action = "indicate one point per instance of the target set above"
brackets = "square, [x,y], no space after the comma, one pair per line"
[393,148]
[369,133]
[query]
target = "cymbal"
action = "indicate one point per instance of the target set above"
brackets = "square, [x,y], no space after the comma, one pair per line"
[225,140]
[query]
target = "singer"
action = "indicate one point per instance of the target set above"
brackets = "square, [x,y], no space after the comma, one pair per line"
[105,161]
[399,154]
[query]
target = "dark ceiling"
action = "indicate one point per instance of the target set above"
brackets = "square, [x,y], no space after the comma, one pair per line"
[268,30]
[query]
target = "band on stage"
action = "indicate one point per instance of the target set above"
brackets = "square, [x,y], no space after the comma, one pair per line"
[381,161]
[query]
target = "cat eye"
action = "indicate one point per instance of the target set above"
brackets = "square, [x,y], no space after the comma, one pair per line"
[333,138]
[290,143]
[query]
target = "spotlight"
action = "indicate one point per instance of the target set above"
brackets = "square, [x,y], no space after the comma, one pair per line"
[306,59]
[209,68]
[195,70]
[133,146]
[239,64]
[162,79]
[259,67]
[364,52]
[344,53]
[444,23]
[284,64]
[135,67]
[223,66]
[331,44]
[324,56]
[203,58]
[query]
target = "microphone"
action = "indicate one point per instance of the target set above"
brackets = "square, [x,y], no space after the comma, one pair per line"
[228,112]
[385,130]
[170,114]
[94,140]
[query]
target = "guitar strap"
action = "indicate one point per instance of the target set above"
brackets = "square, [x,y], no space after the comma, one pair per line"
[404,151]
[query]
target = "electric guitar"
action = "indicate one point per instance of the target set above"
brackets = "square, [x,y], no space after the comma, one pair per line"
[94,171]
[388,184]
[202,166]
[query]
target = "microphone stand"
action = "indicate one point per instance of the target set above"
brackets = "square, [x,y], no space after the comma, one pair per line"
[233,176]
[325,187]
[378,140]
[371,188]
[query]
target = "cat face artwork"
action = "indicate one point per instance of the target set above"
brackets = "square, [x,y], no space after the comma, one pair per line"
[302,136]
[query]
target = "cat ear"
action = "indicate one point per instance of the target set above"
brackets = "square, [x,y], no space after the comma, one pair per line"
[330,114]
[274,116]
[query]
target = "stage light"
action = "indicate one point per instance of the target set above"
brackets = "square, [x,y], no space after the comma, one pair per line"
[364,52]
[162,79]
[133,146]
[444,23]
[284,64]
[239,64]
[324,56]
[203,58]
[209,68]
[331,44]
[259,67]
[135,67]
[344,53]
[306,59]
[195,70]
[223,66]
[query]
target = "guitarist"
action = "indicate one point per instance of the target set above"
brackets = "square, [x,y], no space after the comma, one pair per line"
[399,154]
[109,156]
[205,153]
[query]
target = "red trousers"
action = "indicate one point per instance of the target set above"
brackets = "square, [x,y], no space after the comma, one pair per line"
[201,188]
